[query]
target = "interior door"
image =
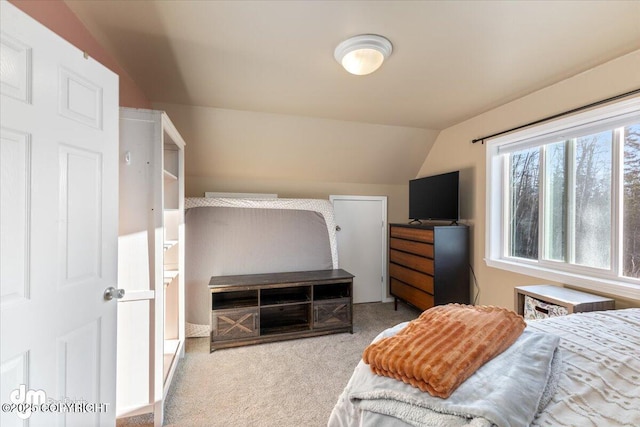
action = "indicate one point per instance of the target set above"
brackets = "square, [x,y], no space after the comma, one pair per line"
[58,226]
[361,239]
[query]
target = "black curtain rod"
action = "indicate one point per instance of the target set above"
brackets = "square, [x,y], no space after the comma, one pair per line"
[555,116]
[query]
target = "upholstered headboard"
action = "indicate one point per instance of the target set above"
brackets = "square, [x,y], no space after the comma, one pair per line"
[246,236]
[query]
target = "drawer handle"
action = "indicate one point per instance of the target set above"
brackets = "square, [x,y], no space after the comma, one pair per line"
[542,310]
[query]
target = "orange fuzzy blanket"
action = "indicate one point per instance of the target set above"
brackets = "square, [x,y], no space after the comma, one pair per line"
[444,346]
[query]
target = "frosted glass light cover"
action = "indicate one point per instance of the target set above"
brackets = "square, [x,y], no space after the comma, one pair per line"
[363,54]
[362,61]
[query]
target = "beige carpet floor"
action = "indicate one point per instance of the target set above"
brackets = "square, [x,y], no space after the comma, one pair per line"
[290,383]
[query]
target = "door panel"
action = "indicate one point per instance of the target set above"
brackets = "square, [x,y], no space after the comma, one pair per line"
[79,370]
[13,371]
[16,80]
[80,215]
[14,222]
[80,99]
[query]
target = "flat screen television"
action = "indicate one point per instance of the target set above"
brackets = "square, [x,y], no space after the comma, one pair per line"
[435,197]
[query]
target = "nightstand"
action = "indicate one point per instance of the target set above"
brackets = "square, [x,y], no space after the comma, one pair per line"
[548,301]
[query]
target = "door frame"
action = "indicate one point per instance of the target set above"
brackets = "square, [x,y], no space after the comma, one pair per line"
[384,291]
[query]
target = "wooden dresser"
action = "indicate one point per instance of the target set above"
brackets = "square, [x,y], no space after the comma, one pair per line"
[429,264]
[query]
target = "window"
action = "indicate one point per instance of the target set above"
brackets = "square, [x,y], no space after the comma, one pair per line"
[563,200]
[631,202]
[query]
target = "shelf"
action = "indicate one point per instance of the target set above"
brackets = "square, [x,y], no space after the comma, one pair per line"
[152,207]
[138,296]
[170,350]
[333,291]
[284,303]
[231,300]
[168,176]
[168,244]
[276,330]
[284,318]
[169,275]
[171,346]
[282,296]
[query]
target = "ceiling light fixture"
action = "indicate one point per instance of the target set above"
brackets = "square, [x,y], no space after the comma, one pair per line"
[363,54]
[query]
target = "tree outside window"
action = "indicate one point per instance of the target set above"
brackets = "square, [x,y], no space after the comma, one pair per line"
[574,179]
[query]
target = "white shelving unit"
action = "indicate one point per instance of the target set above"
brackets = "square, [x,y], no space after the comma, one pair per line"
[150,261]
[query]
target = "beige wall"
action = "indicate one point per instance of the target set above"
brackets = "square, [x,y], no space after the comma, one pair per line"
[397,195]
[295,156]
[453,150]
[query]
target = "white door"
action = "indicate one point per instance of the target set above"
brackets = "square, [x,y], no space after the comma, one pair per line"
[362,239]
[58,227]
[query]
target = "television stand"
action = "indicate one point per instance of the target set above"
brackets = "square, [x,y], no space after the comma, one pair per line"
[257,308]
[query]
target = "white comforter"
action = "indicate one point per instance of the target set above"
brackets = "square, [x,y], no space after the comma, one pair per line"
[507,391]
[598,382]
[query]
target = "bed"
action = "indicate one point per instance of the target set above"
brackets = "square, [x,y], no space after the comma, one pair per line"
[234,236]
[592,378]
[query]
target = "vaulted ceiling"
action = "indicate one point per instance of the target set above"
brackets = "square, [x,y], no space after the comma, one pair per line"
[451,60]
[255,90]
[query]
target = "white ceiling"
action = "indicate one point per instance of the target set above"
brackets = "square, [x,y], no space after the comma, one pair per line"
[451,61]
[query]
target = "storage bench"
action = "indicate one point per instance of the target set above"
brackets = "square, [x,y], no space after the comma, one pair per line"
[541,301]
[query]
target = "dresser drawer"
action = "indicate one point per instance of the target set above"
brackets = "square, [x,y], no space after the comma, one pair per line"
[413,262]
[414,278]
[234,323]
[418,298]
[417,234]
[418,248]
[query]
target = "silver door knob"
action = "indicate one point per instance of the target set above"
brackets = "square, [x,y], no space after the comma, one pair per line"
[111,293]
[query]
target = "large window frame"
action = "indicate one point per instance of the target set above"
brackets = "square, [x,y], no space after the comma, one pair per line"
[609,281]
